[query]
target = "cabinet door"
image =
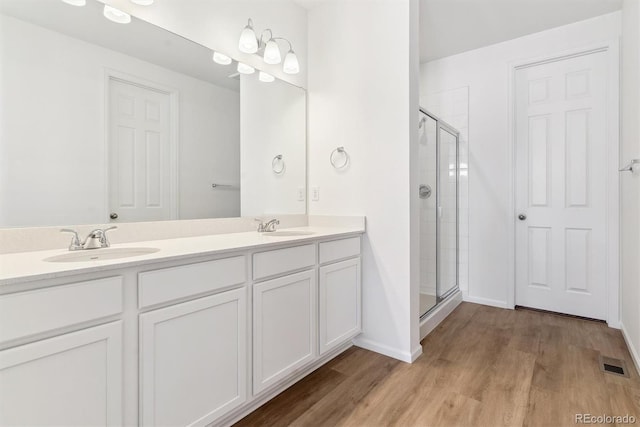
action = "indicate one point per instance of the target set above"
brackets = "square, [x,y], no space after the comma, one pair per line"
[284,327]
[193,360]
[340,303]
[72,379]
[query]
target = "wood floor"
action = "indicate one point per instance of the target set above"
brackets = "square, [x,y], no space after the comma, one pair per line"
[482,366]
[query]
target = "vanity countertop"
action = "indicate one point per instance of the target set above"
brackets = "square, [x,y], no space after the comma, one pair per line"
[29,266]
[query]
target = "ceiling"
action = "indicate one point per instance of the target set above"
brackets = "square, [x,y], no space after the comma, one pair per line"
[138,39]
[448,27]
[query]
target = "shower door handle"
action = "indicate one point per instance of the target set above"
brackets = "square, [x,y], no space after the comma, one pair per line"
[522,217]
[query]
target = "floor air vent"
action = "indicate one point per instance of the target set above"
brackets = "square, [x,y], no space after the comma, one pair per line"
[613,366]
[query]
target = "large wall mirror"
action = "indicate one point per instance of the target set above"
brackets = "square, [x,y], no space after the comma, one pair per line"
[103,122]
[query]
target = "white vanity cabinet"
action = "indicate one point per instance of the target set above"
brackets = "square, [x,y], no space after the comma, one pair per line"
[62,377]
[284,313]
[284,327]
[192,340]
[193,355]
[72,379]
[339,293]
[193,360]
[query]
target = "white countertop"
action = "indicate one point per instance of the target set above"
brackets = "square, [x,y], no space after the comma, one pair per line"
[29,266]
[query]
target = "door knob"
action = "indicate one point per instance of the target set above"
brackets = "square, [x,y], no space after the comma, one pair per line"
[424,191]
[113,215]
[522,217]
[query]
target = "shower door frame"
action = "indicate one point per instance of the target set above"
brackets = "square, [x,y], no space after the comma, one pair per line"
[441,124]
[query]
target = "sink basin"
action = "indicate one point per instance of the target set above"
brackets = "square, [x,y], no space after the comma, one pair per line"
[101,254]
[285,233]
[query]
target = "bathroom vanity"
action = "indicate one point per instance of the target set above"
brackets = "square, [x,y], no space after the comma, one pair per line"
[200,332]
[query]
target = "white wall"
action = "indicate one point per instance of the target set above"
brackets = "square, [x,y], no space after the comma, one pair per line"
[630,184]
[360,96]
[52,150]
[273,122]
[217,24]
[486,72]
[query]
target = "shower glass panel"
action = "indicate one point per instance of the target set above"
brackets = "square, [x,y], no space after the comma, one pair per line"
[447,212]
[428,212]
[438,193]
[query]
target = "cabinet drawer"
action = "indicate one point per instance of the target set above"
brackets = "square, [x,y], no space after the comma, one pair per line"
[167,284]
[339,249]
[281,261]
[27,313]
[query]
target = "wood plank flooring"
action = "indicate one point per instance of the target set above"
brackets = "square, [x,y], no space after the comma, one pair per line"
[482,366]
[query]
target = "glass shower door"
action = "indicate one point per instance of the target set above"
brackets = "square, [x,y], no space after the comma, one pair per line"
[427,152]
[447,199]
[438,192]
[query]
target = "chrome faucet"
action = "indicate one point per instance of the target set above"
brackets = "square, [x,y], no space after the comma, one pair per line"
[96,239]
[267,227]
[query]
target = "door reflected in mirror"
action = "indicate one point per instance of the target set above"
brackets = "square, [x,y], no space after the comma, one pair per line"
[103,122]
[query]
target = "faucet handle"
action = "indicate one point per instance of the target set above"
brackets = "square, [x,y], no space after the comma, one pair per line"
[260,225]
[75,240]
[105,241]
[271,225]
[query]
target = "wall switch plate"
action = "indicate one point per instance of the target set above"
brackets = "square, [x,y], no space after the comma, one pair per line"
[315,193]
[301,194]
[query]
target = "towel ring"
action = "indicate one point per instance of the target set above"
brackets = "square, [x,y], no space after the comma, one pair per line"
[345,156]
[274,165]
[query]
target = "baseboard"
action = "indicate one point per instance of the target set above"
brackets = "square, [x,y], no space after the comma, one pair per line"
[439,313]
[417,352]
[252,405]
[371,345]
[486,301]
[615,324]
[635,355]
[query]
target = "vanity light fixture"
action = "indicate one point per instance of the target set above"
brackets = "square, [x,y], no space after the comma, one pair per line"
[143,2]
[265,77]
[291,65]
[221,58]
[76,2]
[248,41]
[272,52]
[271,55]
[245,69]
[116,15]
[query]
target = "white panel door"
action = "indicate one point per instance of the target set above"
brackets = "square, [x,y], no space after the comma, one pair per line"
[193,362]
[73,379]
[139,153]
[561,152]
[284,327]
[340,303]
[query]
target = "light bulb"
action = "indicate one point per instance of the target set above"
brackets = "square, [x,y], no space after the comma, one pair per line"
[76,2]
[272,53]
[248,42]
[291,65]
[245,69]
[143,2]
[220,58]
[116,15]
[264,77]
